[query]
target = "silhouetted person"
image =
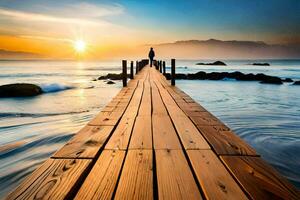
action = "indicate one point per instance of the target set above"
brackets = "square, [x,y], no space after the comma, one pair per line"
[151,56]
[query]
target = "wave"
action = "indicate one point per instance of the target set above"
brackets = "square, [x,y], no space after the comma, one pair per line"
[16,114]
[55,87]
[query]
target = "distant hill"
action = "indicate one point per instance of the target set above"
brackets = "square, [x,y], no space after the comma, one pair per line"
[212,48]
[12,55]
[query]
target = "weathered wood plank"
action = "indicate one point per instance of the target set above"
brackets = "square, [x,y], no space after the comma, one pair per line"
[158,106]
[190,137]
[86,143]
[145,107]
[142,134]
[120,138]
[225,142]
[174,177]
[206,121]
[121,135]
[259,179]
[101,181]
[215,180]
[55,179]
[164,134]
[136,181]
[106,119]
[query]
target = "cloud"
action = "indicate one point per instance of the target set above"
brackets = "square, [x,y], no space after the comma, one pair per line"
[88,10]
[37,17]
[67,40]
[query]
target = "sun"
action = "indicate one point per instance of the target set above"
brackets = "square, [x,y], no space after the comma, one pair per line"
[79,46]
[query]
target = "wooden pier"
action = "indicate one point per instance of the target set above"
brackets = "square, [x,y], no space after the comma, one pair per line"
[153,141]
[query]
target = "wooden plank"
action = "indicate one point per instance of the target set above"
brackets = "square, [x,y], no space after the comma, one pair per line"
[225,142]
[158,106]
[136,181]
[120,137]
[190,137]
[86,143]
[206,120]
[215,180]
[145,107]
[101,181]
[164,134]
[106,119]
[142,134]
[55,179]
[134,104]
[259,179]
[174,177]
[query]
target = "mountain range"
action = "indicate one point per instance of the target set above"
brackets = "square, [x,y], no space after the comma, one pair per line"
[233,49]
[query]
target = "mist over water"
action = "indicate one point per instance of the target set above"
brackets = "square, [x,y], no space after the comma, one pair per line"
[32,129]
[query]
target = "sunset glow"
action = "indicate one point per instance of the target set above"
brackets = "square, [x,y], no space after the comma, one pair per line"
[79,46]
[118,29]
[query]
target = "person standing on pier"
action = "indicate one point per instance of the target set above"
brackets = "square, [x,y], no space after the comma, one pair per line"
[151,56]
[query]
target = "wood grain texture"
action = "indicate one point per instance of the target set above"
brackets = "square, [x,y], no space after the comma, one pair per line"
[206,121]
[86,143]
[164,134]
[259,179]
[142,134]
[189,135]
[101,181]
[145,107]
[174,177]
[158,106]
[216,182]
[121,135]
[134,104]
[136,181]
[225,142]
[55,179]
[106,119]
[120,138]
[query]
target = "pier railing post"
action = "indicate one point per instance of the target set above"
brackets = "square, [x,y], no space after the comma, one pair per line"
[173,72]
[164,67]
[131,70]
[124,67]
[160,66]
[136,67]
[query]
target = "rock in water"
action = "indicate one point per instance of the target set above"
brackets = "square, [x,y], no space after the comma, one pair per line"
[288,80]
[214,63]
[110,82]
[20,90]
[296,83]
[272,80]
[261,64]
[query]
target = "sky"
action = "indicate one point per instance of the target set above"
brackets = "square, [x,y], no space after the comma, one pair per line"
[116,28]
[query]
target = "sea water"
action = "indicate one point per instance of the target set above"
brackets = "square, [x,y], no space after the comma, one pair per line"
[33,128]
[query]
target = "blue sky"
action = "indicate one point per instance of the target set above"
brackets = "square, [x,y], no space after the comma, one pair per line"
[269,20]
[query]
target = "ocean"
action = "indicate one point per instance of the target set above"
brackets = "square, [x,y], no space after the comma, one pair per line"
[32,128]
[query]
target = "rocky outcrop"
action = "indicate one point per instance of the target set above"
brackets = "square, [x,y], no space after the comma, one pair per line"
[272,80]
[201,75]
[288,80]
[296,83]
[214,63]
[261,64]
[110,82]
[20,90]
[113,77]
